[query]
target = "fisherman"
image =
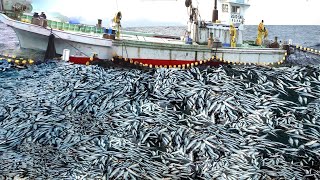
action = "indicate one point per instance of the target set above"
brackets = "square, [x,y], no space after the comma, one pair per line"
[43,20]
[261,31]
[233,33]
[43,15]
[275,44]
[35,15]
[35,19]
[187,38]
[116,24]
[266,33]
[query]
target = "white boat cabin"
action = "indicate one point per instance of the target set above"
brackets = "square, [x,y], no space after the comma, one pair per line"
[229,12]
[232,11]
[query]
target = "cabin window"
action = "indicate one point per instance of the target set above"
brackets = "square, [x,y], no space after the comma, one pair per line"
[236,9]
[225,8]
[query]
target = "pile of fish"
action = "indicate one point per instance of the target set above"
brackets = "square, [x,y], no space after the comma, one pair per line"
[60,121]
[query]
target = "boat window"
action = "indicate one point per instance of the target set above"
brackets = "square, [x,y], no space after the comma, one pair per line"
[236,9]
[225,8]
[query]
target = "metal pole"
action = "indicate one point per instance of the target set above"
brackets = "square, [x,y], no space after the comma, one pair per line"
[1,6]
[215,14]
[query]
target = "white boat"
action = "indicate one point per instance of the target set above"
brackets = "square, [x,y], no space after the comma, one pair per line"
[151,50]
[36,37]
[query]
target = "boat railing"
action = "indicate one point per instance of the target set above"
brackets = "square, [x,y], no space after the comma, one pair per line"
[239,1]
[67,26]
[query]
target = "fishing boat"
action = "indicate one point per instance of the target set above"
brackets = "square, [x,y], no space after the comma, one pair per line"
[167,51]
[205,42]
[36,37]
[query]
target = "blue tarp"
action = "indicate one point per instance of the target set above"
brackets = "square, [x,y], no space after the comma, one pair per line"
[74,21]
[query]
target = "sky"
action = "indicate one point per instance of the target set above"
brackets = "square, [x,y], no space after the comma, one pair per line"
[174,12]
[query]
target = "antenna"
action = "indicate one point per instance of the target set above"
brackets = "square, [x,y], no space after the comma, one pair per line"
[117,5]
[215,14]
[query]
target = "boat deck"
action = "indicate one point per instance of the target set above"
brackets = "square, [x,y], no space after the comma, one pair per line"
[152,39]
[139,46]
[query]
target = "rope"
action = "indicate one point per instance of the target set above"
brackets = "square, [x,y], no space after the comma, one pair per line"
[306,49]
[125,47]
[67,42]
[131,62]
[117,5]
[215,52]
[198,11]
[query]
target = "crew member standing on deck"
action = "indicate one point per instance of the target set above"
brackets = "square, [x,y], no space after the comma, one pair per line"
[233,33]
[260,33]
[266,33]
[116,23]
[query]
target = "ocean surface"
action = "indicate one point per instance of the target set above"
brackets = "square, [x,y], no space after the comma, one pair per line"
[63,121]
[302,35]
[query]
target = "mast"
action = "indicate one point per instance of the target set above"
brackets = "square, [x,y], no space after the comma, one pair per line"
[215,13]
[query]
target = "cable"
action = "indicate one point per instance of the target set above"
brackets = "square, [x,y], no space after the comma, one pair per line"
[117,5]
[66,41]
[126,49]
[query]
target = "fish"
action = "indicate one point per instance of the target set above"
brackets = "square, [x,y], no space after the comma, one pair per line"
[202,123]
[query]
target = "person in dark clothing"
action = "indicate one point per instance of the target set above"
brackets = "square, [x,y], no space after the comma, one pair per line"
[275,44]
[43,15]
[35,15]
